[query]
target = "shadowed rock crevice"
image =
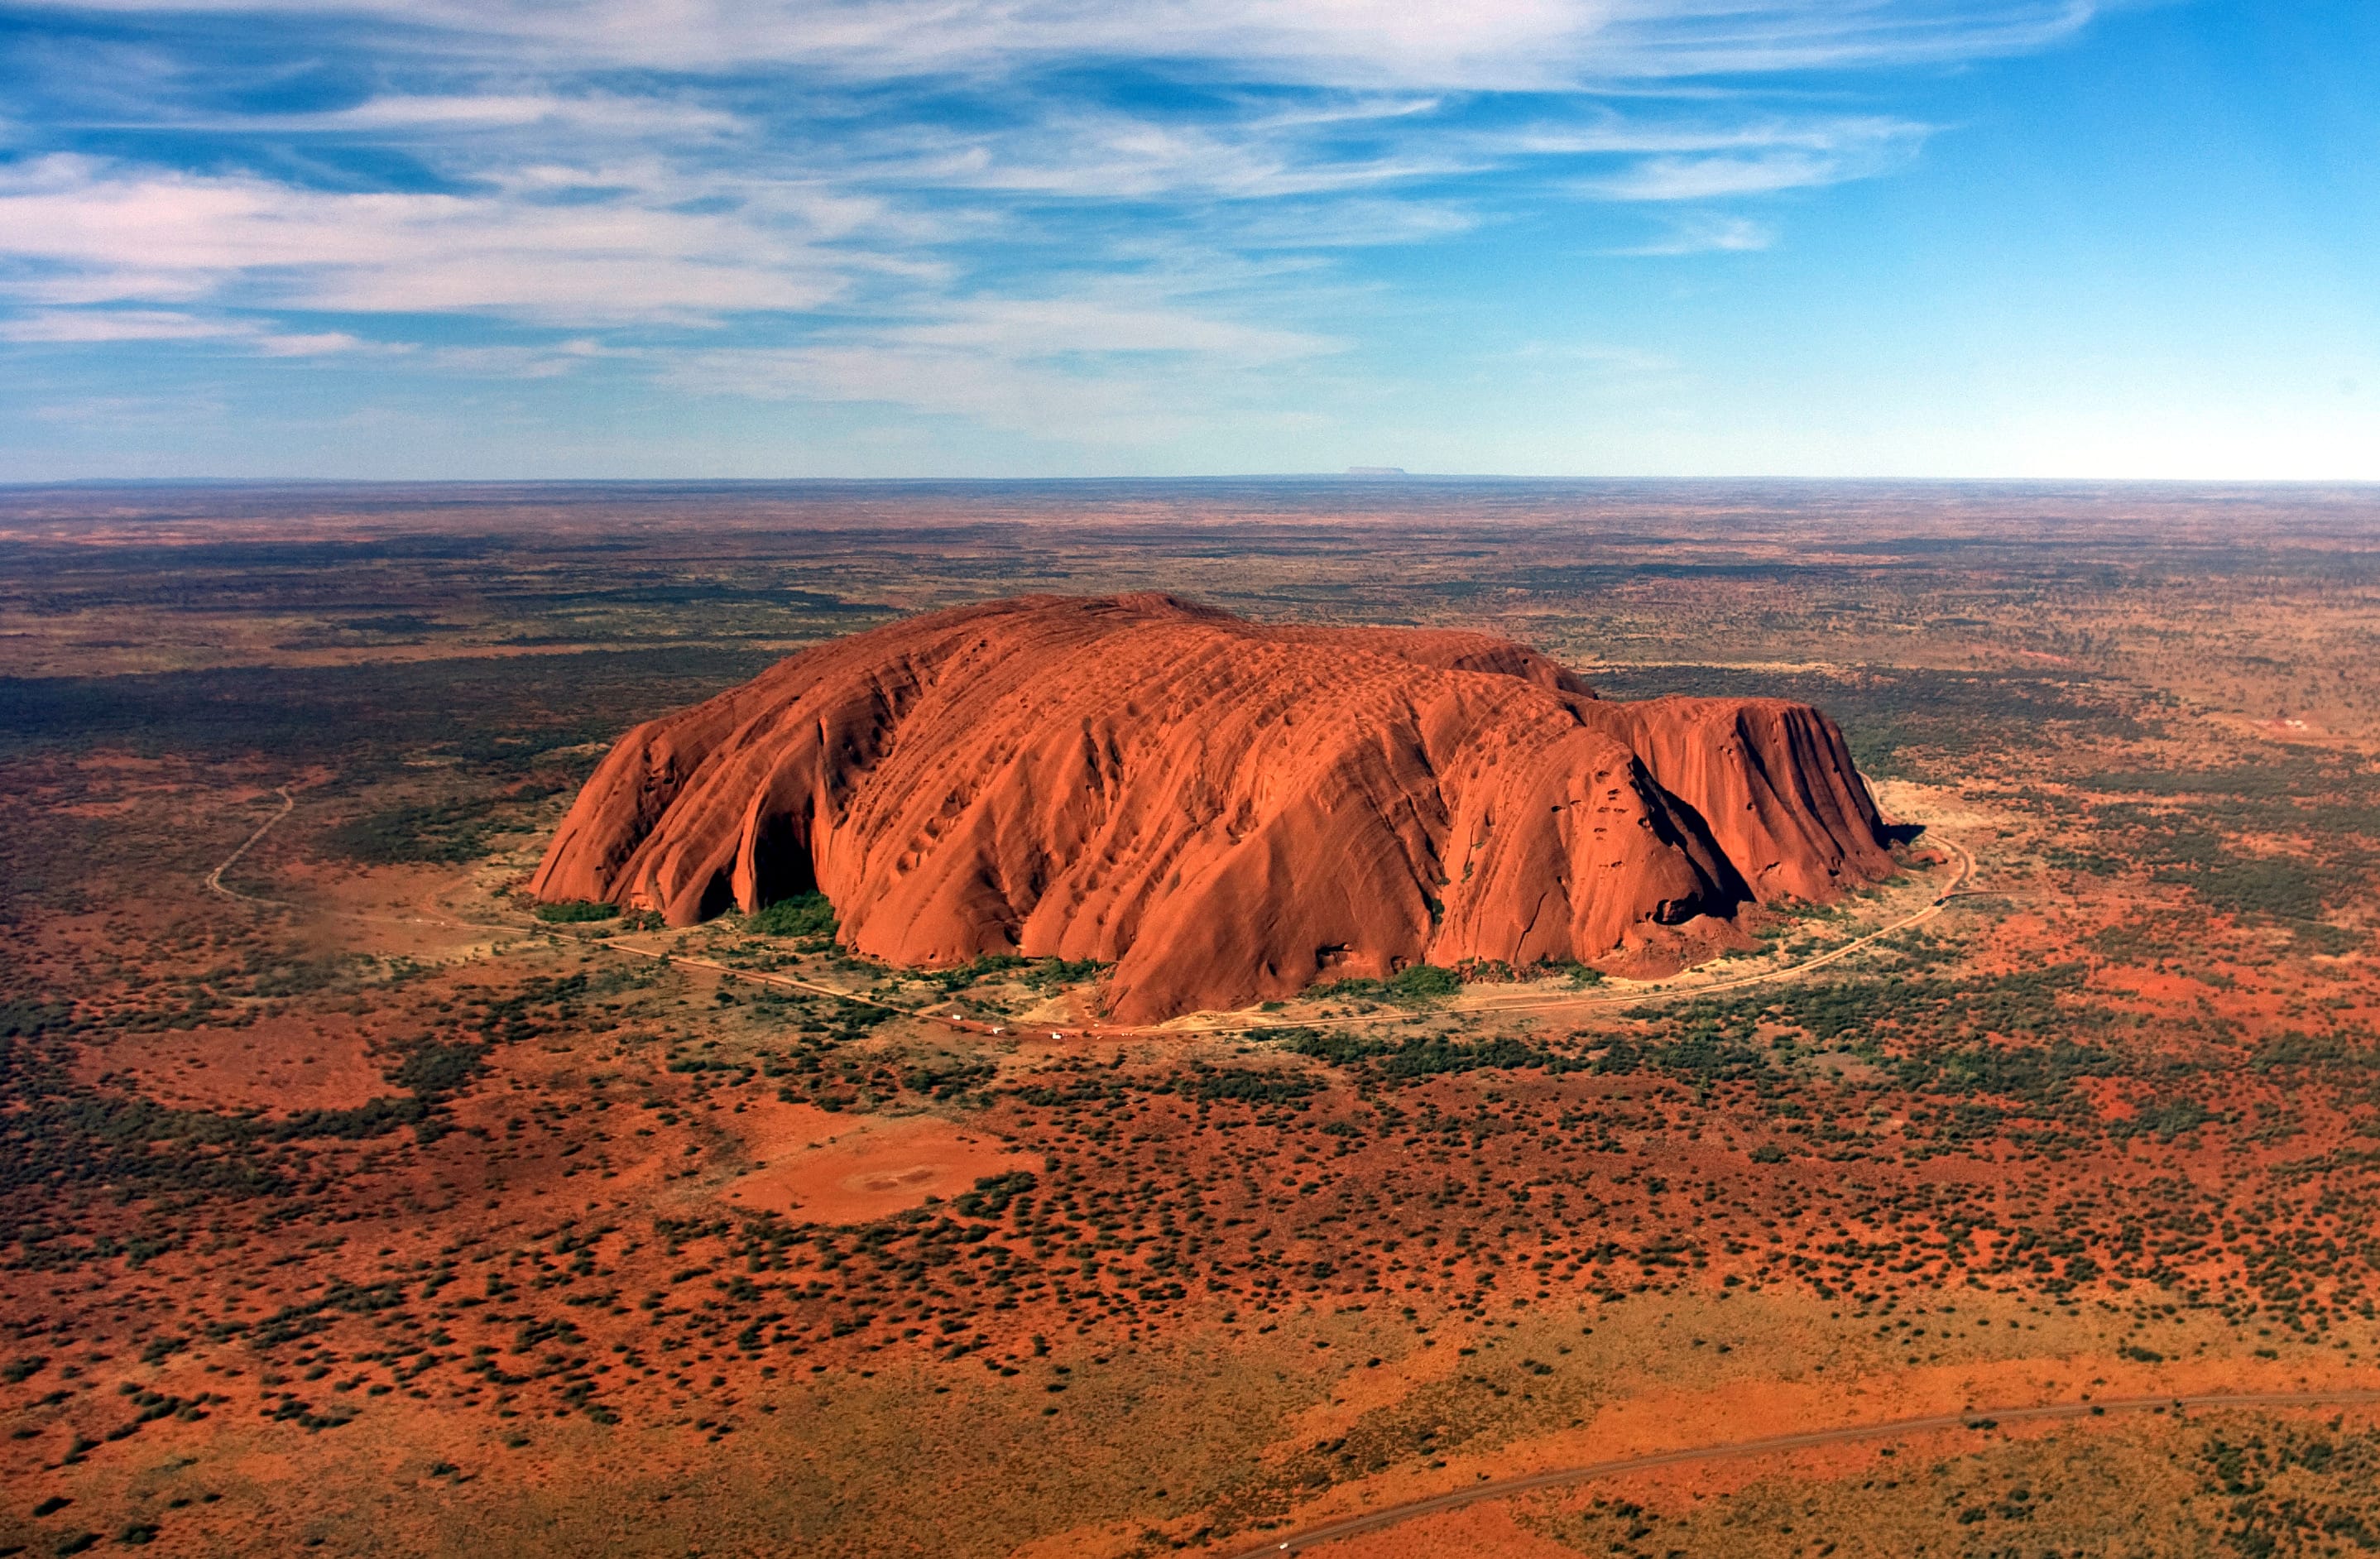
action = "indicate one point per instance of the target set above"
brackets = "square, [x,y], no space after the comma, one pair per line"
[1222,809]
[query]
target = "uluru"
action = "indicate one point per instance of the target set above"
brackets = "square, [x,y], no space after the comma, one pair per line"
[1225,811]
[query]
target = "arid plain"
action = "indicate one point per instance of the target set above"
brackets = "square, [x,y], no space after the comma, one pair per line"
[350,1204]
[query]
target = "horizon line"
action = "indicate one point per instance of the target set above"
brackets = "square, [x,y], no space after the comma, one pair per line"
[1339,478]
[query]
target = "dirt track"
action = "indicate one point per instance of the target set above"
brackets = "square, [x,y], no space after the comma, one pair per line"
[1242,1023]
[1976,1417]
[214,878]
[1664,992]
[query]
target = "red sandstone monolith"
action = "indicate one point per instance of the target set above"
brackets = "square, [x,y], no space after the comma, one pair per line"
[1225,811]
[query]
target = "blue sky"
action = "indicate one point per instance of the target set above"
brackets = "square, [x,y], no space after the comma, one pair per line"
[1003,237]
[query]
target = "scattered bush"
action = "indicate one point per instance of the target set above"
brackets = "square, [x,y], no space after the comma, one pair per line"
[1421,982]
[803,915]
[993,1193]
[575,911]
[1423,1057]
[983,966]
[431,1069]
[1052,972]
[1414,983]
[456,830]
[1250,1087]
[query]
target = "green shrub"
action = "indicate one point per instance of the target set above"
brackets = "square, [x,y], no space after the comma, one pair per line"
[449,831]
[574,911]
[1249,1088]
[983,967]
[803,915]
[1432,1057]
[1052,972]
[1425,1057]
[993,1193]
[1415,982]
[1338,1047]
[433,1069]
[1424,982]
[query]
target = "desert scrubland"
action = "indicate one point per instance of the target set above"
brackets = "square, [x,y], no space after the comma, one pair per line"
[354,1198]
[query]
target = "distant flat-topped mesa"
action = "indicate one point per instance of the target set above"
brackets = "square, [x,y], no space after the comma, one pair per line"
[1223,811]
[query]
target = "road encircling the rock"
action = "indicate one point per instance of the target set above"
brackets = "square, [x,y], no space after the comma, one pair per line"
[1235,1023]
[1979,1419]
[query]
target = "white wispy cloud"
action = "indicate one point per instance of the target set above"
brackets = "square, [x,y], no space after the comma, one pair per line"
[1478,45]
[1078,154]
[86,230]
[926,203]
[1704,178]
[1049,327]
[1099,403]
[1605,131]
[398,115]
[1117,370]
[92,326]
[1706,233]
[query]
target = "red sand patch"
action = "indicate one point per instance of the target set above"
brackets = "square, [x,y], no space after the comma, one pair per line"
[403,911]
[823,1167]
[279,1065]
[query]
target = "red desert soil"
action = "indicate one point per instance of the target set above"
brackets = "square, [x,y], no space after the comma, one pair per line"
[1225,811]
[830,1168]
[278,1065]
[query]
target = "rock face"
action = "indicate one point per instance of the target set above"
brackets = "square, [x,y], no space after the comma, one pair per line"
[1225,811]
